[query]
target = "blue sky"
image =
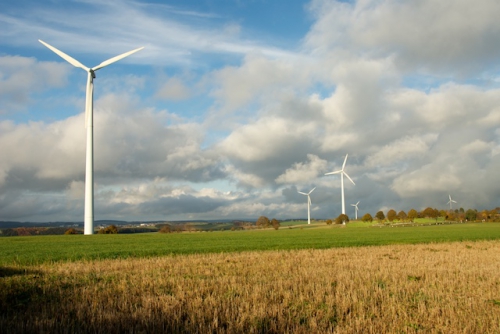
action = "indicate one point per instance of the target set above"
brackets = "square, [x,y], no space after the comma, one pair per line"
[233,106]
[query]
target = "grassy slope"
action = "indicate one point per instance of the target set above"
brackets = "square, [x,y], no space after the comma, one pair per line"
[42,249]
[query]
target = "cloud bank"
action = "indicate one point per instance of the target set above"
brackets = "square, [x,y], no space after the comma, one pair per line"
[213,123]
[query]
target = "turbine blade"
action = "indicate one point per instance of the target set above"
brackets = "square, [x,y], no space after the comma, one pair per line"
[115,59]
[345,160]
[349,178]
[64,56]
[339,171]
[300,192]
[357,203]
[311,191]
[453,201]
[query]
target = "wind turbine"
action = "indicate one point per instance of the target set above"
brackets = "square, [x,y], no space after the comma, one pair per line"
[450,201]
[342,173]
[355,209]
[308,204]
[89,165]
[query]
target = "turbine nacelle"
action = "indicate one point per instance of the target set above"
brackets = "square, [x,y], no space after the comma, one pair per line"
[307,194]
[342,171]
[450,201]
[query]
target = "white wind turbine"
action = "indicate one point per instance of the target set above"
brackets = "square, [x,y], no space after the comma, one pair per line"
[355,209]
[308,204]
[89,166]
[342,173]
[450,201]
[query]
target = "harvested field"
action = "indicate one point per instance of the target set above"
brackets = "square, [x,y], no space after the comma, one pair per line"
[430,288]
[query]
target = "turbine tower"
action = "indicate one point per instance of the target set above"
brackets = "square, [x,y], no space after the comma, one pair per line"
[450,201]
[355,209]
[308,204]
[342,173]
[89,165]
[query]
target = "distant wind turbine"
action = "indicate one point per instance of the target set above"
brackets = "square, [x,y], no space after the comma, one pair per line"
[89,165]
[450,201]
[342,173]
[355,209]
[308,204]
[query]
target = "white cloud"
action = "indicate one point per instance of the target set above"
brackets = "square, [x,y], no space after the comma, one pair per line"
[257,78]
[173,89]
[401,149]
[422,35]
[427,179]
[21,76]
[476,147]
[303,172]
[410,105]
[244,179]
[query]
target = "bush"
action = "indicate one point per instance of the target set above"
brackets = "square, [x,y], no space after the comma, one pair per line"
[392,215]
[275,223]
[71,231]
[165,229]
[380,216]
[329,222]
[111,229]
[367,218]
[342,219]
[262,222]
[9,232]
[471,215]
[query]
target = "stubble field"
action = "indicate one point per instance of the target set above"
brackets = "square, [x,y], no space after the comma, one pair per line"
[425,288]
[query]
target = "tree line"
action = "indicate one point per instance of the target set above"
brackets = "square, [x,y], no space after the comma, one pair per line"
[459,215]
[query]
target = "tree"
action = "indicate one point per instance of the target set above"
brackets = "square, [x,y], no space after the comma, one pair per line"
[367,218]
[391,215]
[484,215]
[342,219]
[165,229]
[262,222]
[9,232]
[111,229]
[412,214]
[276,223]
[471,215]
[71,231]
[429,213]
[402,215]
[380,215]
[329,222]
[451,216]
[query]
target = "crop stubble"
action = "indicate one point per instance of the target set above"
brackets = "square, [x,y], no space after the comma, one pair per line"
[434,288]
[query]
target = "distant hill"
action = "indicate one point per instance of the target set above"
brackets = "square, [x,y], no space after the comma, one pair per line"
[15,224]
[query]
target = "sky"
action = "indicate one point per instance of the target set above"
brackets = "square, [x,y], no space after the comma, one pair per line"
[234,106]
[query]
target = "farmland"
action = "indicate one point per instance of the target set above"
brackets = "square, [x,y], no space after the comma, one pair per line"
[434,279]
[34,250]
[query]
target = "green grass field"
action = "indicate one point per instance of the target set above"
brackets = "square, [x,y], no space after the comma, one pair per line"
[43,249]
